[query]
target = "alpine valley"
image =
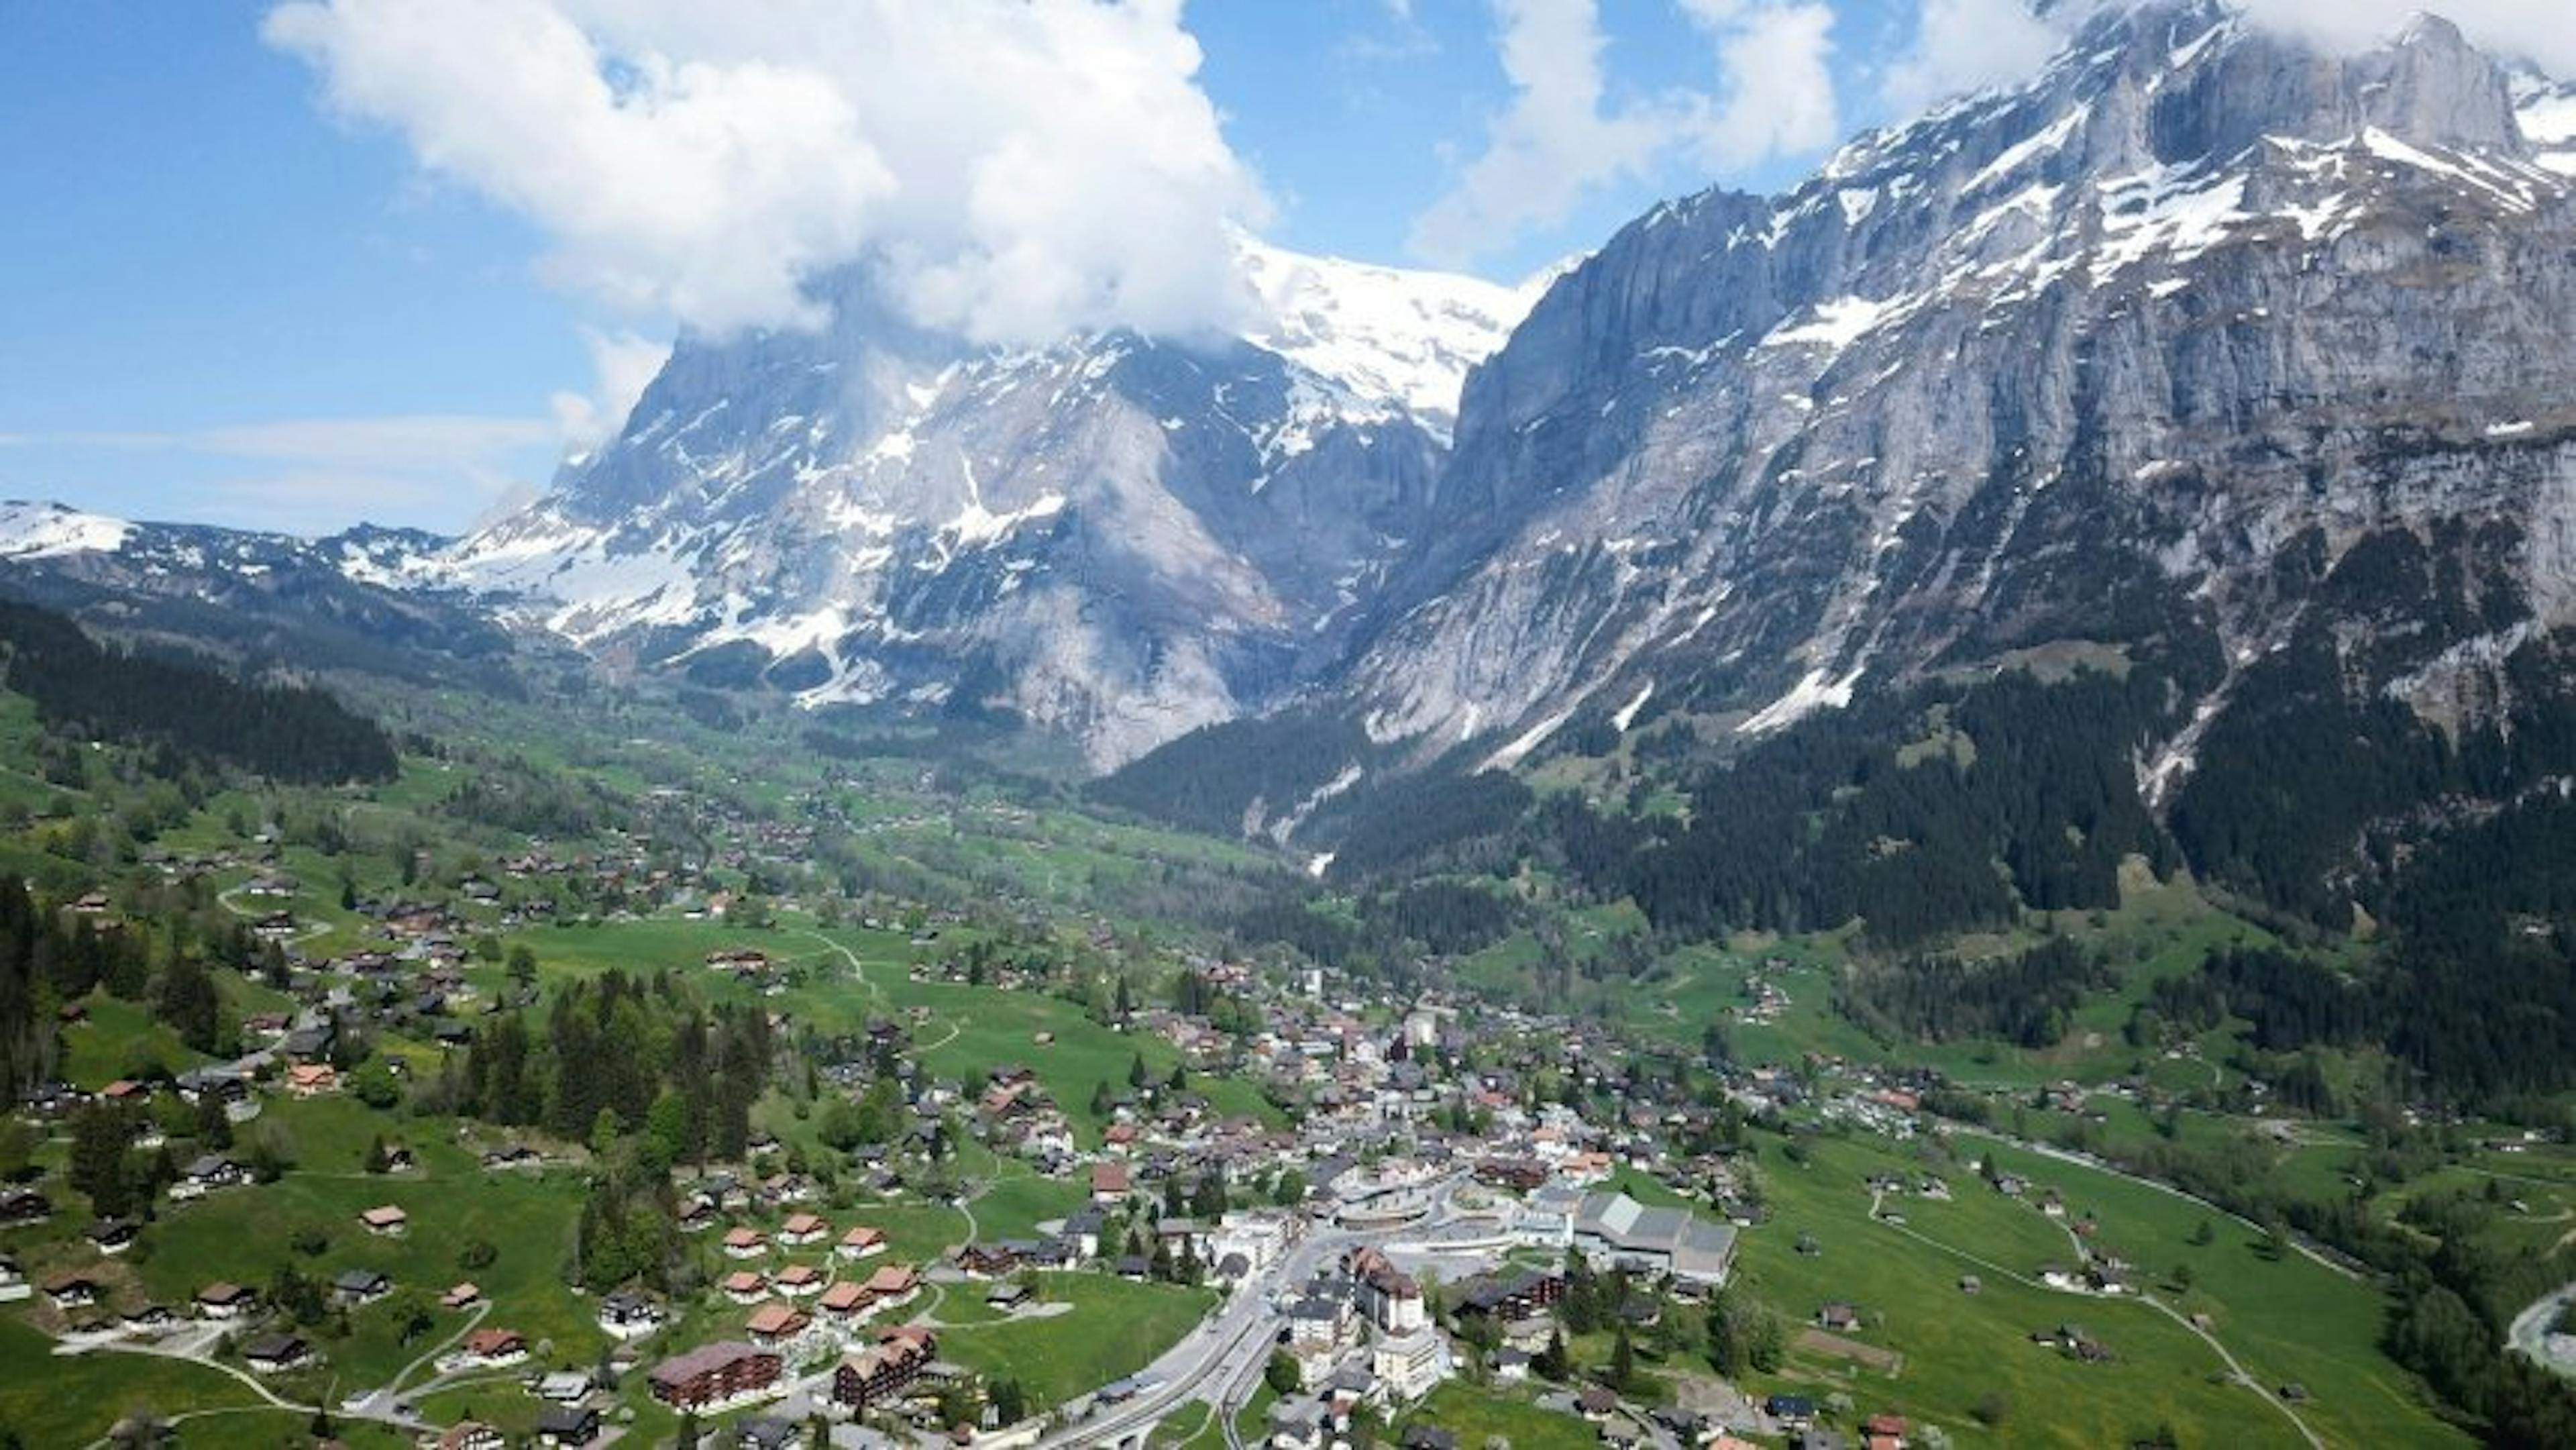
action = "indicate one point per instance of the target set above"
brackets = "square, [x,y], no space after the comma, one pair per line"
[2026,683]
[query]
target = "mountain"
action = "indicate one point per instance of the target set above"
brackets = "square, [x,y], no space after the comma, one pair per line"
[347,602]
[1769,449]
[2203,354]
[1116,539]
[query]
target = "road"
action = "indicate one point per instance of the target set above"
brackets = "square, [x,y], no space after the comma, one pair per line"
[1217,1363]
[2297,1243]
[2234,1367]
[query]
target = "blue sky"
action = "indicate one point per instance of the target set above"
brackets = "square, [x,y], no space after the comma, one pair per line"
[298,270]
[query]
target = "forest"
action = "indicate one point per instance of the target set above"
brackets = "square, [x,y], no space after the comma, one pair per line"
[2477,998]
[2025,999]
[1923,815]
[90,691]
[618,1055]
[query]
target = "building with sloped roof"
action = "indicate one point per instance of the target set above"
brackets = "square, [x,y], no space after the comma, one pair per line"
[1615,1231]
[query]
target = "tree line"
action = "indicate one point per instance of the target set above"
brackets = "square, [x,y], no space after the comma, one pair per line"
[87,690]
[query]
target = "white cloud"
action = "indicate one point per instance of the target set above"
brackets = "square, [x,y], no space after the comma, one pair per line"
[2540,31]
[1558,141]
[624,365]
[1968,45]
[1779,96]
[1011,169]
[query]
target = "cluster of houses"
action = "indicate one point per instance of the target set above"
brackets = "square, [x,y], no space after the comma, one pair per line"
[893,1367]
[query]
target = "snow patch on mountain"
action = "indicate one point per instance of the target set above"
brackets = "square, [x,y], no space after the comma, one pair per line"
[1817,690]
[30,530]
[2546,112]
[1388,335]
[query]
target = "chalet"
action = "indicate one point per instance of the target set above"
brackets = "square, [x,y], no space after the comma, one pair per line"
[1837,1316]
[744,1287]
[1793,1412]
[114,1235]
[802,1229]
[125,1090]
[567,1425]
[276,1353]
[1008,1296]
[1520,1296]
[1883,1432]
[220,1300]
[354,1287]
[1082,1230]
[386,1221]
[844,1300]
[799,1280]
[1109,1182]
[470,1435]
[1520,1175]
[219,1081]
[745,1243]
[496,1347]
[986,1260]
[72,1291]
[20,1206]
[626,1314]
[562,1387]
[13,1281]
[312,1079]
[773,1324]
[205,1174]
[885,1370]
[893,1283]
[860,1242]
[463,1296]
[725,1372]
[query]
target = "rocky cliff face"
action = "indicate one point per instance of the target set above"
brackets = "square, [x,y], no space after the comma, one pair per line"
[2050,370]
[1116,539]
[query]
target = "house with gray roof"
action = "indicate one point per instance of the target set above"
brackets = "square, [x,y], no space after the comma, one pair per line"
[1615,1231]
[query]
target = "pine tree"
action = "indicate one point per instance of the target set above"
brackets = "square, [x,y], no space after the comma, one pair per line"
[1551,1361]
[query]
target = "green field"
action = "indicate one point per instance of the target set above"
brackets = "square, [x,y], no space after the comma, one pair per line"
[2287,1320]
[1114,1329]
[1476,1414]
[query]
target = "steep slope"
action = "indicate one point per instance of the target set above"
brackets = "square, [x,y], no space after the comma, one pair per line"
[2075,361]
[1117,538]
[2164,458]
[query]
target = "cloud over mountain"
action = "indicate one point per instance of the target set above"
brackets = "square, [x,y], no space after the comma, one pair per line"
[1010,169]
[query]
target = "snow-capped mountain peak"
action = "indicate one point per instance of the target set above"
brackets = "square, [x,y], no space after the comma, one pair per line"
[1117,536]
[1384,333]
[31,530]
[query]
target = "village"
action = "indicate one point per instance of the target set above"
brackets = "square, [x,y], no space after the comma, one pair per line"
[1022,1176]
[1422,1214]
